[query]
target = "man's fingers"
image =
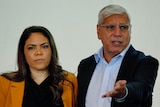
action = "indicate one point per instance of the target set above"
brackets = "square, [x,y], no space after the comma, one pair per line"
[119,89]
[121,82]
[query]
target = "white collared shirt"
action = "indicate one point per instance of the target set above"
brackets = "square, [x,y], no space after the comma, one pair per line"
[103,79]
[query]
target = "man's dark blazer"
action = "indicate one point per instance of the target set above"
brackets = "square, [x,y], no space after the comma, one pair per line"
[139,70]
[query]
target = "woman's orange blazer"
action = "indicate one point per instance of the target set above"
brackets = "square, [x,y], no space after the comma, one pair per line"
[11,93]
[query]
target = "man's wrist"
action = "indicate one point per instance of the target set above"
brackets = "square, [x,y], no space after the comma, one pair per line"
[119,100]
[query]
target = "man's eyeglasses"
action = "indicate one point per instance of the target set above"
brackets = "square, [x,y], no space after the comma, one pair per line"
[112,27]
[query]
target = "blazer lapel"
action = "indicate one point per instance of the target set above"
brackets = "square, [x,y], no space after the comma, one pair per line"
[128,64]
[17,92]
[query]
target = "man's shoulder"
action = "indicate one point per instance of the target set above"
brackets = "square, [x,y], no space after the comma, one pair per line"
[134,55]
[88,59]
[87,63]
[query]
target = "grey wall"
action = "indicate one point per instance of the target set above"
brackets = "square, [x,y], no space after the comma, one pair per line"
[73,25]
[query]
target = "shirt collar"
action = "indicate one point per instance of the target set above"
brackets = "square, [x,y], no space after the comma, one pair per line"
[99,54]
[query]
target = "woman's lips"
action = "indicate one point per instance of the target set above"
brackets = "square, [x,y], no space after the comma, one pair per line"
[39,60]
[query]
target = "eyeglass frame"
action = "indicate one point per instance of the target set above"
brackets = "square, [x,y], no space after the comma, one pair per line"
[121,27]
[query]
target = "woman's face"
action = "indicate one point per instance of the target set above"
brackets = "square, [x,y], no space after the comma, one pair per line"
[37,52]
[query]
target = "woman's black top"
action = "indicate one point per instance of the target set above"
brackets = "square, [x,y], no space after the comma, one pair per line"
[38,95]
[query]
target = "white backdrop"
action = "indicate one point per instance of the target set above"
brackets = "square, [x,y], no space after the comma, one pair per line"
[73,25]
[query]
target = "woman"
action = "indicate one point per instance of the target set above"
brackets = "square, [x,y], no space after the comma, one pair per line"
[39,81]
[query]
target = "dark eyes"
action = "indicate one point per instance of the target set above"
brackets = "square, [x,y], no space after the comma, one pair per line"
[111,27]
[34,47]
[44,46]
[30,48]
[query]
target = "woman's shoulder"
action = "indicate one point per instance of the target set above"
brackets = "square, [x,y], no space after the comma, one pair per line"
[9,74]
[4,79]
[6,76]
[70,78]
[69,75]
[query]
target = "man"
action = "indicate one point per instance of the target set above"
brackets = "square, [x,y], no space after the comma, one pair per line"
[117,75]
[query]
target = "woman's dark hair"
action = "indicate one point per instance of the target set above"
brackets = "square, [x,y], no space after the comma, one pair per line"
[55,70]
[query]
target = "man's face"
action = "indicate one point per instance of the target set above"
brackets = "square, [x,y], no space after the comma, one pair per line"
[114,33]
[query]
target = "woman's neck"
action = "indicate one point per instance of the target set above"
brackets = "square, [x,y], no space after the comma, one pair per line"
[39,76]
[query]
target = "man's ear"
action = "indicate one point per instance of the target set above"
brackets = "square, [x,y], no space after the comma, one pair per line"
[98,32]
